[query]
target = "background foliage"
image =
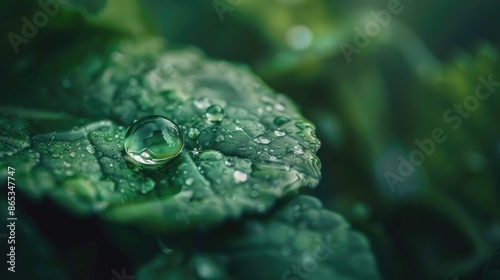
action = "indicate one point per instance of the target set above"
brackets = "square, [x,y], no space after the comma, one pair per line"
[442,221]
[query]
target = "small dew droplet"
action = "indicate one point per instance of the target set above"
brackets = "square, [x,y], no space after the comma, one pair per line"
[239,176]
[193,133]
[279,121]
[298,150]
[279,133]
[219,138]
[214,113]
[262,139]
[90,149]
[147,186]
[279,107]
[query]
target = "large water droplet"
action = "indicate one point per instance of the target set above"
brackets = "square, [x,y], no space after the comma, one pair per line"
[153,141]
[215,113]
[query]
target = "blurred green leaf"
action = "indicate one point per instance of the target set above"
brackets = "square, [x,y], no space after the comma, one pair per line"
[301,240]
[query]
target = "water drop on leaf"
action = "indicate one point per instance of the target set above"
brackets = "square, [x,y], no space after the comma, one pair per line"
[215,113]
[279,121]
[147,186]
[279,133]
[219,138]
[298,150]
[242,149]
[189,181]
[153,141]
[262,139]
[239,176]
[193,133]
[90,149]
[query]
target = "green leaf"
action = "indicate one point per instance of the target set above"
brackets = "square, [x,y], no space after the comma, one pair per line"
[261,150]
[301,240]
